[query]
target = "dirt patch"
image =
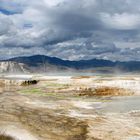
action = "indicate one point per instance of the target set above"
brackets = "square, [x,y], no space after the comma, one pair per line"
[112,91]
[5,137]
[105,91]
[47,123]
[81,77]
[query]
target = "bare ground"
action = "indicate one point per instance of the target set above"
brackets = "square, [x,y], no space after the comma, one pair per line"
[53,110]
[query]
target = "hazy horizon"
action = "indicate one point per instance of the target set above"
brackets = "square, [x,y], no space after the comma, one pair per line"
[43,55]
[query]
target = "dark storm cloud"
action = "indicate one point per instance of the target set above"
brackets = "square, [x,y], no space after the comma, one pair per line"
[69,29]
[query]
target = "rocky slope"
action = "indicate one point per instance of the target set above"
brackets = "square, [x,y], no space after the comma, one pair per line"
[13,67]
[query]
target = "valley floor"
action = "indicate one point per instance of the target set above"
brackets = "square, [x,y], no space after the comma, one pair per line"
[70,107]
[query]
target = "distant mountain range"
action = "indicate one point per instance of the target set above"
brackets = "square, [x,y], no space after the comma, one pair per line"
[41,63]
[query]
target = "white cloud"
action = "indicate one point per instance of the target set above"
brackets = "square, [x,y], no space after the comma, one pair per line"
[53,2]
[121,21]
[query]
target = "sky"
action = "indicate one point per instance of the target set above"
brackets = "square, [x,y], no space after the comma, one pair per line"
[71,29]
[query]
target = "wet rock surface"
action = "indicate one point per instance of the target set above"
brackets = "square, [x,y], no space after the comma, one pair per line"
[45,122]
[51,110]
[66,120]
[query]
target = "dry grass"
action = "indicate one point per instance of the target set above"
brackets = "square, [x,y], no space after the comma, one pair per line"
[105,91]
